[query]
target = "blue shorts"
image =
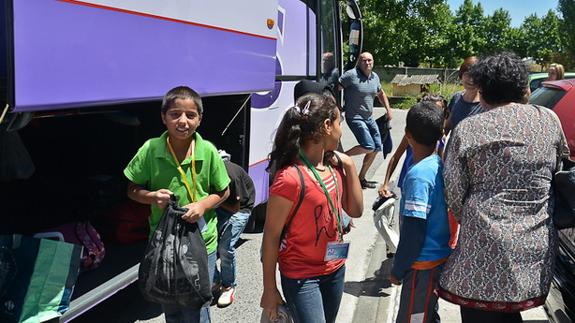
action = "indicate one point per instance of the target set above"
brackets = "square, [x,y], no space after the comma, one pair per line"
[366,132]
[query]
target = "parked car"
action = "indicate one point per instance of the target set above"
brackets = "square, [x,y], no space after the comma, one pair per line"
[536,79]
[560,304]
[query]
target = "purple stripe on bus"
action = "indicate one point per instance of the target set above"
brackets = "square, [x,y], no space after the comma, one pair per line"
[69,54]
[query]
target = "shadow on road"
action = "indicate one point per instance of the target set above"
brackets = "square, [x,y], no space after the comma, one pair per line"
[127,306]
[372,286]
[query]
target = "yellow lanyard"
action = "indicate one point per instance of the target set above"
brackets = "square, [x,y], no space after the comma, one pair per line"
[191,192]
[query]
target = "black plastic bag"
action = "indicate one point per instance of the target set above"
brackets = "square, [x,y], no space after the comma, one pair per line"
[175,267]
[564,184]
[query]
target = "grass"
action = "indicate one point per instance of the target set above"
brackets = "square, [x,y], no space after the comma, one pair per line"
[446,90]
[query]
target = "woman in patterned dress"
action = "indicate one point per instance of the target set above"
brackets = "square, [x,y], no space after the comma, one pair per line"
[498,170]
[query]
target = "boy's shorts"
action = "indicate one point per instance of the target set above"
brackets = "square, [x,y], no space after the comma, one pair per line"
[366,133]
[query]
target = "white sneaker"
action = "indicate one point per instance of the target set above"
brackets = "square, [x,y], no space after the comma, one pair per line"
[227,297]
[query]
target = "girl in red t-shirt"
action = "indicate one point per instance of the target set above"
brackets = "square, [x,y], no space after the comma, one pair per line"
[308,243]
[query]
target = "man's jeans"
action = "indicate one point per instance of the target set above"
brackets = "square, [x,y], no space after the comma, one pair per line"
[314,299]
[181,314]
[230,227]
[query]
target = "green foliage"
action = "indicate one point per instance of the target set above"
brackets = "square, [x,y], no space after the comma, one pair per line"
[407,31]
[467,39]
[387,88]
[414,32]
[567,26]
[446,90]
[497,32]
[404,103]
[541,37]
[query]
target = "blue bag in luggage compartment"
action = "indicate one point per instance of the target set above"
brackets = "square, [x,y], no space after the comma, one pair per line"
[37,277]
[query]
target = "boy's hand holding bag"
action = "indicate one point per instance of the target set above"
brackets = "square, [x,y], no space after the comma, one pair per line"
[175,267]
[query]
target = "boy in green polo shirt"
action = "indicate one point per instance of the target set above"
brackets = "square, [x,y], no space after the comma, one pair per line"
[154,176]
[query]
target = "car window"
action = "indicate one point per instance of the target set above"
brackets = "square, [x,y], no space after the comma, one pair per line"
[535,84]
[546,96]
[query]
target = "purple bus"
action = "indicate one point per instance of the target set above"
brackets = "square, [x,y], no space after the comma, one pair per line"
[82,82]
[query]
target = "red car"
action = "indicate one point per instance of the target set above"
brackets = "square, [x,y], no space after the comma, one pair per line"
[560,303]
[560,97]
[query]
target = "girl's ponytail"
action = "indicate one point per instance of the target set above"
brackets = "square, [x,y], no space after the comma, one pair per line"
[287,141]
[299,124]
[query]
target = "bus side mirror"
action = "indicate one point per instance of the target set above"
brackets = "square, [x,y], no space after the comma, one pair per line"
[355,34]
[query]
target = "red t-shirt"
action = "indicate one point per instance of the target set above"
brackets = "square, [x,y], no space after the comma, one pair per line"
[304,246]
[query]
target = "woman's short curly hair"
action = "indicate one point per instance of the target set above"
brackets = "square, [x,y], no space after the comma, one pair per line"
[501,78]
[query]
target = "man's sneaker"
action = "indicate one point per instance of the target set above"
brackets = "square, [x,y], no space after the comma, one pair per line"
[227,297]
[365,184]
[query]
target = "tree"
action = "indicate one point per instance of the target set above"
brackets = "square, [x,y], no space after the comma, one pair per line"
[541,37]
[467,39]
[497,32]
[426,31]
[426,26]
[439,27]
[381,23]
[567,26]
[406,31]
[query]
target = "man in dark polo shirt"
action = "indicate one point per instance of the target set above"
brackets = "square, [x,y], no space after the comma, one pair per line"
[360,86]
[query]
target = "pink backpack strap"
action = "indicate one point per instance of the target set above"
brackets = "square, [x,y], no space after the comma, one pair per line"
[93,246]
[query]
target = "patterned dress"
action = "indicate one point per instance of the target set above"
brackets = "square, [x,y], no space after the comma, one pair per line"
[498,171]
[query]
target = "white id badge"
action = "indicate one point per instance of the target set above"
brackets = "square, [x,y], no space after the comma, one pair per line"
[336,250]
[202,224]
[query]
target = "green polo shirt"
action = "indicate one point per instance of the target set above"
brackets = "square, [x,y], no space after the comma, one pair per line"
[154,168]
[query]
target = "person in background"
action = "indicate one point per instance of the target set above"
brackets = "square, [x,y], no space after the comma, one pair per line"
[329,72]
[465,103]
[304,87]
[233,215]
[157,172]
[498,170]
[308,243]
[555,72]
[424,234]
[360,86]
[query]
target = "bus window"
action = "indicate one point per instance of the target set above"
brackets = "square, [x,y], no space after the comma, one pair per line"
[327,42]
[312,42]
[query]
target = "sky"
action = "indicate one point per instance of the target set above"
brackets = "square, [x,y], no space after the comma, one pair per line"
[518,9]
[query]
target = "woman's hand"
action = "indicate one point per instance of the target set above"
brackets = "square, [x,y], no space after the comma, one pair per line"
[161,197]
[270,301]
[195,211]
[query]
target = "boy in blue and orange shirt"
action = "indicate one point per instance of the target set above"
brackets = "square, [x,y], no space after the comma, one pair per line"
[424,233]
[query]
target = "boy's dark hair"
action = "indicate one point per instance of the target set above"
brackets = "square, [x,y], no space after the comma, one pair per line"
[501,78]
[307,86]
[299,125]
[435,98]
[425,123]
[182,93]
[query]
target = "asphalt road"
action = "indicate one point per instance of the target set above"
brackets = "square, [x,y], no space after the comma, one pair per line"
[128,306]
